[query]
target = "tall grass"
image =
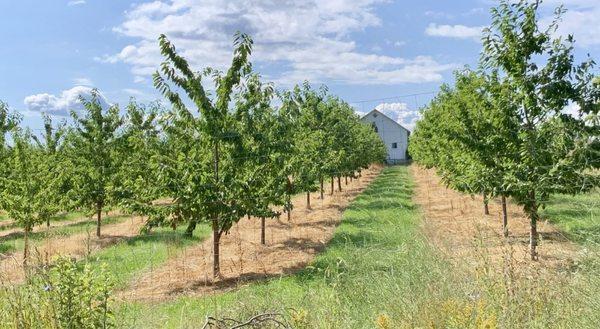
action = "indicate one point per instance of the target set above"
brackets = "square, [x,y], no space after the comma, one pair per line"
[380,272]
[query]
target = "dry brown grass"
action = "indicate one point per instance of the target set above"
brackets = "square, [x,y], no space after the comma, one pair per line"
[456,225]
[290,247]
[75,246]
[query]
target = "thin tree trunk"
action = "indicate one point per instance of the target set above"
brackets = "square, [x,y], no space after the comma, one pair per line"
[98,218]
[486,209]
[531,209]
[504,217]
[346,179]
[339,183]
[307,200]
[332,179]
[48,221]
[360,173]
[321,180]
[262,231]
[215,220]
[289,214]
[216,245]
[189,231]
[26,246]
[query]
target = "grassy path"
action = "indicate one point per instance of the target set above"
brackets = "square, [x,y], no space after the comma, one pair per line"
[377,267]
[379,271]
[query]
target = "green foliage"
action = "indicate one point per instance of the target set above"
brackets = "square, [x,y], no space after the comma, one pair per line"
[93,151]
[28,192]
[503,130]
[69,295]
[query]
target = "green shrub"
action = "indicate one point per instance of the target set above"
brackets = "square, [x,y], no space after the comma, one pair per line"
[68,295]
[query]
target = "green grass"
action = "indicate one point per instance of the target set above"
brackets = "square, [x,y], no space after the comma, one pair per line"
[14,241]
[58,218]
[378,271]
[128,258]
[578,216]
[376,264]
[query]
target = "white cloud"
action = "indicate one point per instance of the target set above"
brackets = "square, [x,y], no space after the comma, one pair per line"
[400,113]
[83,82]
[308,39]
[62,104]
[76,2]
[582,22]
[454,31]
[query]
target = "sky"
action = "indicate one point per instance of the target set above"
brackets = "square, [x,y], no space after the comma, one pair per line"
[389,55]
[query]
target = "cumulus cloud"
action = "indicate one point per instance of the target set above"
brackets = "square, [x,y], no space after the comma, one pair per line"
[61,105]
[308,39]
[580,20]
[454,31]
[400,113]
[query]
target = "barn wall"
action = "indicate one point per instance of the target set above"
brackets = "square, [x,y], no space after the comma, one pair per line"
[390,133]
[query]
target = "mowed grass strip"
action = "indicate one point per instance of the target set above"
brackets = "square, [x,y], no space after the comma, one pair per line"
[377,267]
[128,258]
[578,216]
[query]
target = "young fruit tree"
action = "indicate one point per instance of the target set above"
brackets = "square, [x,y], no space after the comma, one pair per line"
[216,187]
[93,150]
[51,147]
[27,186]
[554,147]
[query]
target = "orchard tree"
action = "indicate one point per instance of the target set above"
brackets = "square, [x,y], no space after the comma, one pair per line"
[215,186]
[94,153]
[26,186]
[538,68]
[51,147]
[139,144]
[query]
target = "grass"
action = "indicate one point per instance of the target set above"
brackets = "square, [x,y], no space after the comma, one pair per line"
[126,259]
[69,216]
[378,271]
[14,241]
[578,216]
[377,266]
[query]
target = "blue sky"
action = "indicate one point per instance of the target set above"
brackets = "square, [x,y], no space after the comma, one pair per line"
[55,50]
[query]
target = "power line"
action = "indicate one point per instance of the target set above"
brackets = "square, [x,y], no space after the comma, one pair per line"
[393,97]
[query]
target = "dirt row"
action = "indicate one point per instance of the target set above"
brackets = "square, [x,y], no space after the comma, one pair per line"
[290,246]
[456,225]
[75,246]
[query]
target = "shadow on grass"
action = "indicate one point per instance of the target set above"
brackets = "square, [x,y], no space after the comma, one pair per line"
[577,216]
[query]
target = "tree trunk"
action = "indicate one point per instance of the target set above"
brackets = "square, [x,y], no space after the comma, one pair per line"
[98,217]
[262,231]
[189,231]
[216,245]
[504,217]
[486,209]
[360,173]
[531,209]
[26,245]
[307,200]
[174,225]
[332,179]
[321,180]
[48,221]
[339,183]
[346,179]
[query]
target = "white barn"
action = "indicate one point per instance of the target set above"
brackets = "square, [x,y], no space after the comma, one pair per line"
[392,133]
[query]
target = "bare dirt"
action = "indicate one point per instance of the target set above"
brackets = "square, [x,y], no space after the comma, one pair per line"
[455,224]
[290,246]
[75,246]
